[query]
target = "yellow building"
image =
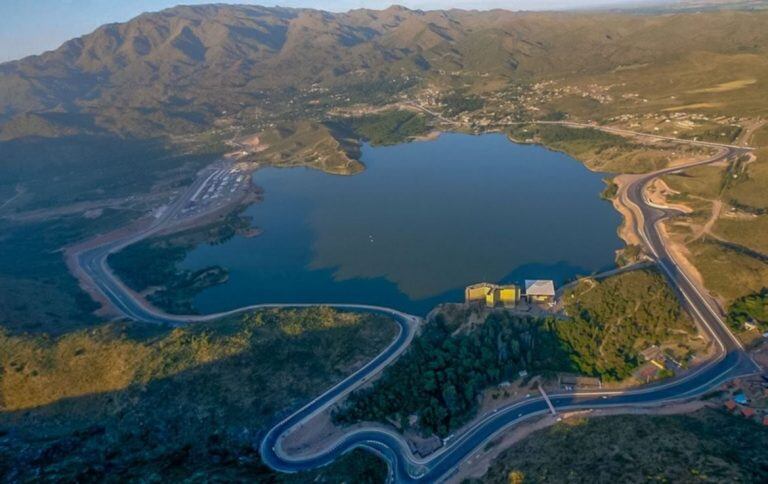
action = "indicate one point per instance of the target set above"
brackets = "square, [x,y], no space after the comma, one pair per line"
[508,295]
[492,295]
[476,292]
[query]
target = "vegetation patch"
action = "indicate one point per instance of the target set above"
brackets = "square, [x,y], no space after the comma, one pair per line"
[613,320]
[138,402]
[391,127]
[435,386]
[631,254]
[307,143]
[708,445]
[610,190]
[750,309]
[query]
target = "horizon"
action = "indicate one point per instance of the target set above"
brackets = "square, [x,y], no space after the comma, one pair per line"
[28,28]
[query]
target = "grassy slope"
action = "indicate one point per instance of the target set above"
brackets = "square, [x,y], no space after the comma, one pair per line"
[728,272]
[708,446]
[311,144]
[132,401]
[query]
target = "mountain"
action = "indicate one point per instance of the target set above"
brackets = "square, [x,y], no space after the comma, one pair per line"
[179,70]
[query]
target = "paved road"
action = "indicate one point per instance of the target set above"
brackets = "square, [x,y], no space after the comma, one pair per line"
[405,467]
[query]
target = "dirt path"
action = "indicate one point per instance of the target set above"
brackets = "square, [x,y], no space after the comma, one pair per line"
[658,193]
[706,229]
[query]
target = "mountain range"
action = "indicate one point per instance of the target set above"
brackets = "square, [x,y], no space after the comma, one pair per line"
[179,70]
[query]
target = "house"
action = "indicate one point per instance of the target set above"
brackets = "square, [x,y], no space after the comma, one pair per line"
[540,290]
[748,412]
[492,295]
[730,405]
[765,420]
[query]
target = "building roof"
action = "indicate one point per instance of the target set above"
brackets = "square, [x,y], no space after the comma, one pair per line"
[730,404]
[539,287]
[747,412]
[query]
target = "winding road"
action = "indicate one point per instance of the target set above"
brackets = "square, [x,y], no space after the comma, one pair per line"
[731,360]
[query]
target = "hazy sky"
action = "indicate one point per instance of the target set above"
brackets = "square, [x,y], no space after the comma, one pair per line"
[33,26]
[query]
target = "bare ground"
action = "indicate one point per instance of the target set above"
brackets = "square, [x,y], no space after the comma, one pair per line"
[628,229]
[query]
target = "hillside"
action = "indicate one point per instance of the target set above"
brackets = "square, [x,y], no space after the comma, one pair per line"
[182,69]
[706,446]
[132,402]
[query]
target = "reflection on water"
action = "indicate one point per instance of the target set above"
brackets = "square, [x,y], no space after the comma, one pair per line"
[421,222]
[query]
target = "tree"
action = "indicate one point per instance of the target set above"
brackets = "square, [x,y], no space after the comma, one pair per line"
[515,477]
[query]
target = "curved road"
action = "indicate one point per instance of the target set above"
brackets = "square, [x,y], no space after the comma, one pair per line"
[731,361]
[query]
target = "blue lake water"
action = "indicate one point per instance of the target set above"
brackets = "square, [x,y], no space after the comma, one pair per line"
[422,221]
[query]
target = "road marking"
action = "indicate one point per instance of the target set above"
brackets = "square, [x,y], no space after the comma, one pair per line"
[546,399]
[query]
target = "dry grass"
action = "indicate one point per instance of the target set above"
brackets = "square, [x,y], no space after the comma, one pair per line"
[728,273]
[749,232]
[693,106]
[706,446]
[725,86]
[704,181]
[751,188]
[42,371]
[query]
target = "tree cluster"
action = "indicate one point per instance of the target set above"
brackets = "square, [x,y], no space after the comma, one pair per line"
[752,308]
[441,377]
[612,320]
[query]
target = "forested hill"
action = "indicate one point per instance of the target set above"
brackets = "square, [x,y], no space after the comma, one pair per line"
[181,69]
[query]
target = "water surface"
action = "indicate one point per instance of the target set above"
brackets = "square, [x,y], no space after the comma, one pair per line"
[421,222]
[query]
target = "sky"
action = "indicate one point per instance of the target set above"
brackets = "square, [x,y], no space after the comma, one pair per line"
[33,26]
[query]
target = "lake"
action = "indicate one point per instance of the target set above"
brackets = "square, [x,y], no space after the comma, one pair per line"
[422,221]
